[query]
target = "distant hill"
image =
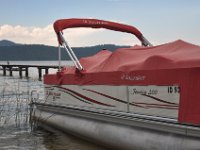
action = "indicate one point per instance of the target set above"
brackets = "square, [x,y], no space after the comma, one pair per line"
[7,43]
[13,52]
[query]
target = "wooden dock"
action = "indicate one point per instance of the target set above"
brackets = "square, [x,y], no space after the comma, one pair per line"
[25,68]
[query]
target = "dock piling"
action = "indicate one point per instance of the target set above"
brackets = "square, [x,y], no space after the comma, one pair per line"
[4,70]
[10,69]
[20,72]
[40,73]
[26,72]
[46,70]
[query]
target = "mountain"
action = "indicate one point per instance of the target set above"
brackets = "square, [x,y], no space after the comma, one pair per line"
[43,52]
[7,43]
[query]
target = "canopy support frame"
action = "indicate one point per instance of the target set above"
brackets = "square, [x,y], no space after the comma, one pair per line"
[71,53]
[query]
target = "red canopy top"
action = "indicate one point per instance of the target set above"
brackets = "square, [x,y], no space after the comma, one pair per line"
[178,54]
[62,24]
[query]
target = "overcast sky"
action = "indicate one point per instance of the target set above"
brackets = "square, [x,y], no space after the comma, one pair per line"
[30,21]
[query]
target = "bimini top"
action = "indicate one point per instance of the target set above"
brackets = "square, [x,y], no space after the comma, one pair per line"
[62,24]
[177,54]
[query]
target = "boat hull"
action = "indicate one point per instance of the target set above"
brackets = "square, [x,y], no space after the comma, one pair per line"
[118,130]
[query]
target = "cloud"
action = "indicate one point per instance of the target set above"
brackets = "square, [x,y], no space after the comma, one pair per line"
[28,35]
[75,37]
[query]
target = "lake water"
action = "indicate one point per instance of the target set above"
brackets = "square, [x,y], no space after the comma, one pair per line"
[16,132]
